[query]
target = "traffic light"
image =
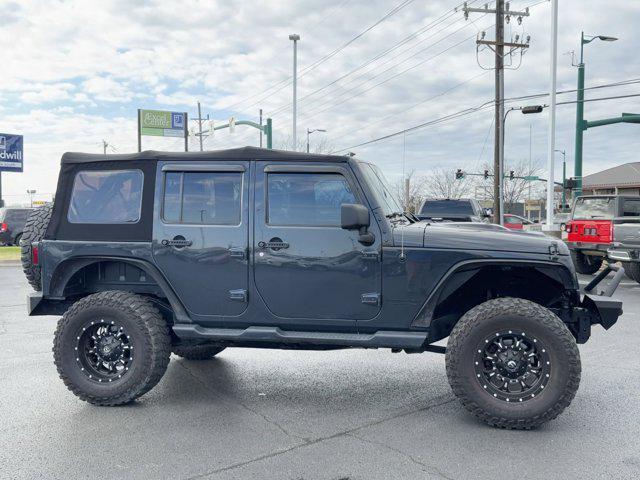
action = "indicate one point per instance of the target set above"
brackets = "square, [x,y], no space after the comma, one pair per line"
[459,174]
[570,183]
[511,174]
[486,174]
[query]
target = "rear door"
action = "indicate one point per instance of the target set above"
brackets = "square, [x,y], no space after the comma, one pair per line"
[305,265]
[201,234]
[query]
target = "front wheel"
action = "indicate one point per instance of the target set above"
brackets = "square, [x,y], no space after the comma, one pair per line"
[586,264]
[111,347]
[513,363]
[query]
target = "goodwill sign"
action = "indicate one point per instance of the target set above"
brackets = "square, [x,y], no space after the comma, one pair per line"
[11,152]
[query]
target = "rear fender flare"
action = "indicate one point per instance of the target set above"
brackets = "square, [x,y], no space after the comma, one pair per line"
[68,268]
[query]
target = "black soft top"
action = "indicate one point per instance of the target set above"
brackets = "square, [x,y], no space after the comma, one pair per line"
[244,153]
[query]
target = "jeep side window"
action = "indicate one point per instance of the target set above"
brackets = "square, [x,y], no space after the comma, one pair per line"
[207,198]
[106,196]
[307,199]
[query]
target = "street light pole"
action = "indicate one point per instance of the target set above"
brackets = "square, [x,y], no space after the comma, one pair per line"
[525,111]
[309,132]
[580,109]
[564,176]
[295,37]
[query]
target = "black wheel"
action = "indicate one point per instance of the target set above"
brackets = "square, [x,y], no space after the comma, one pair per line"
[16,241]
[513,363]
[111,347]
[632,270]
[586,264]
[34,230]
[196,352]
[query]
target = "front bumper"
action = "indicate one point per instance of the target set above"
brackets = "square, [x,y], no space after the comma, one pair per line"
[597,306]
[623,255]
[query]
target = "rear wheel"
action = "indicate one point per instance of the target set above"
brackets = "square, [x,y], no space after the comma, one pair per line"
[586,264]
[196,352]
[513,363]
[17,240]
[34,230]
[111,347]
[632,270]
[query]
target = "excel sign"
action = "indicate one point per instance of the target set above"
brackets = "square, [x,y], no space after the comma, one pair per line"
[11,153]
[159,123]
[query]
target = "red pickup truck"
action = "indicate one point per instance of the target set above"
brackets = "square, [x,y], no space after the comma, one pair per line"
[590,232]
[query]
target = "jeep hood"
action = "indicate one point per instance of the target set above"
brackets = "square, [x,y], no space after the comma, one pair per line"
[474,237]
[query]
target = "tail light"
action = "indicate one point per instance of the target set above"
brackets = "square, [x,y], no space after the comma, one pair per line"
[35,259]
[567,228]
[3,227]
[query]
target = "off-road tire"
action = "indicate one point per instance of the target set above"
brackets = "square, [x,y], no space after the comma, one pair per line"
[34,230]
[196,352]
[586,264]
[526,316]
[632,270]
[149,335]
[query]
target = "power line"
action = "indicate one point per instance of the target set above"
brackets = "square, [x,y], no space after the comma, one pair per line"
[380,55]
[284,83]
[466,112]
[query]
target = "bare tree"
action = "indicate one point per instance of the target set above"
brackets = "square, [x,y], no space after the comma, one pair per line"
[517,189]
[442,183]
[412,199]
[322,145]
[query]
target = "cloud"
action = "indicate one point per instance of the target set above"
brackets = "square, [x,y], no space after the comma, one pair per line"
[94,63]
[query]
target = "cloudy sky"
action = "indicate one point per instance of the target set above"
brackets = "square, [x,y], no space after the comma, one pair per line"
[74,73]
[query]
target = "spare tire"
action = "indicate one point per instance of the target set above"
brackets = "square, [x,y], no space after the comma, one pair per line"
[34,230]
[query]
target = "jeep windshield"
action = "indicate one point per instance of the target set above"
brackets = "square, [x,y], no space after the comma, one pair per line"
[440,208]
[594,208]
[391,206]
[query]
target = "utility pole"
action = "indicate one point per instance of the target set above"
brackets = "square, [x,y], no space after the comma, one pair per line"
[200,124]
[295,37]
[407,193]
[497,46]
[105,144]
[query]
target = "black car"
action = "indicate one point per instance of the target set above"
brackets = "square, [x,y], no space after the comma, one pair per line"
[12,222]
[152,253]
[448,210]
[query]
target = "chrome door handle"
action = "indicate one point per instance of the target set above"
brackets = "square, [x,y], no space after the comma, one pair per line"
[273,245]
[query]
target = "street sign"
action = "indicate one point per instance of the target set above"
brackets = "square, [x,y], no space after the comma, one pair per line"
[531,178]
[11,152]
[159,123]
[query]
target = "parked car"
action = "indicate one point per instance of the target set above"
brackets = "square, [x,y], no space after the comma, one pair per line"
[590,232]
[515,222]
[461,210]
[12,222]
[151,253]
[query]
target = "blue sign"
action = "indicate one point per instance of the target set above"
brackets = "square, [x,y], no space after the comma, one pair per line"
[11,153]
[177,120]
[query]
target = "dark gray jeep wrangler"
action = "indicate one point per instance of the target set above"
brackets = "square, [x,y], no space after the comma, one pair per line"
[191,253]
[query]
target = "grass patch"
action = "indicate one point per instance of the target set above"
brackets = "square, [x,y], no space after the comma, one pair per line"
[9,253]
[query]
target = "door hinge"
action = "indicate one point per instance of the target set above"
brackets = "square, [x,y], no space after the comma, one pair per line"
[370,255]
[371,298]
[553,249]
[239,295]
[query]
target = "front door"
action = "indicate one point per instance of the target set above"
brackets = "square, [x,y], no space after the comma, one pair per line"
[201,234]
[305,265]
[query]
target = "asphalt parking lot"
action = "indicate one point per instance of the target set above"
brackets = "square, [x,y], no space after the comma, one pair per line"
[349,414]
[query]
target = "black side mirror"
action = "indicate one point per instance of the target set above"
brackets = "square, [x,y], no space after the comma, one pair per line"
[354,216]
